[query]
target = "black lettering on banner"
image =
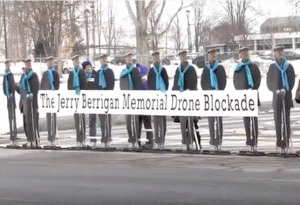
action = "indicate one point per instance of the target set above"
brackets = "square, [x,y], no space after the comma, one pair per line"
[174,100]
[58,102]
[191,104]
[52,103]
[206,102]
[63,102]
[237,105]
[153,101]
[90,103]
[161,104]
[133,103]
[179,101]
[126,101]
[251,104]
[217,104]
[244,102]
[98,99]
[148,104]
[184,104]
[43,98]
[117,103]
[67,102]
[83,101]
[141,104]
[229,103]
[166,99]
[197,105]
[212,102]
[106,105]
[223,106]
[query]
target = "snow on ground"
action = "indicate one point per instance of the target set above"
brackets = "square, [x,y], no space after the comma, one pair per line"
[39,68]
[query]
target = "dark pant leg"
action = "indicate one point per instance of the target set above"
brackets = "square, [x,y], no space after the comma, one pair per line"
[254,130]
[109,128]
[29,113]
[198,132]
[92,125]
[220,131]
[147,124]
[183,126]
[138,128]
[156,125]
[287,130]
[11,121]
[247,130]
[277,106]
[49,127]
[55,125]
[129,128]
[211,122]
[164,128]
[83,127]
[102,127]
[36,123]
[79,122]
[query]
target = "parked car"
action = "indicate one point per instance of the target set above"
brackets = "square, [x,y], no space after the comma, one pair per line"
[292,54]
[199,61]
[120,60]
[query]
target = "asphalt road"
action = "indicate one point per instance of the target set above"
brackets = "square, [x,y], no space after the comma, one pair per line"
[84,177]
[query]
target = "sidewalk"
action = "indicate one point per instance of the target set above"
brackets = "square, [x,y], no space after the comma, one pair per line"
[233,140]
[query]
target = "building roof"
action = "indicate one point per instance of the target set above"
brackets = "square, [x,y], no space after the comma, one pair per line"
[291,21]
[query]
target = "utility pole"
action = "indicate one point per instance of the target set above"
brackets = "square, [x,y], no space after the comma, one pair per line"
[5,37]
[189,35]
[93,19]
[87,33]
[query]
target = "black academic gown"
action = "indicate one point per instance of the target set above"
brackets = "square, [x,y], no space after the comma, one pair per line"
[11,105]
[80,128]
[110,84]
[30,107]
[206,85]
[109,77]
[240,83]
[45,85]
[190,83]
[274,84]
[152,78]
[190,79]
[137,85]
[156,119]
[136,80]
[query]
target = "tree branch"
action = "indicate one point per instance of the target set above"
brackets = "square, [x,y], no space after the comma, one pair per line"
[170,22]
[131,14]
[149,7]
[156,21]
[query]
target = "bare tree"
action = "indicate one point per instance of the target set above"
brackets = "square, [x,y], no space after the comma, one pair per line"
[108,32]
[237,15]
[198,13]
[140,20]
[177,35]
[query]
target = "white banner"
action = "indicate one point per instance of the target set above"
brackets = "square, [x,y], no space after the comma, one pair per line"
[173,103]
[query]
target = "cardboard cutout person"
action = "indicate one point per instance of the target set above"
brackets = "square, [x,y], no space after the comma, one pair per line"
[28,88]
[105,80]
[281,80]
[247,77]
[185,79]
[77,81]
[130,79]
[158,80]
[50,81]
[9,88]
[214,78]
